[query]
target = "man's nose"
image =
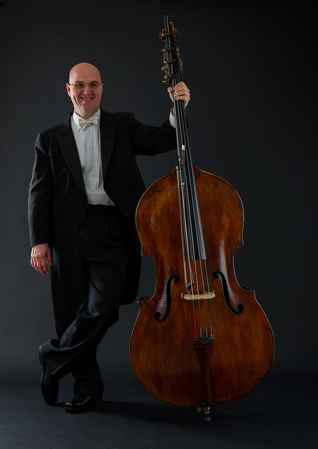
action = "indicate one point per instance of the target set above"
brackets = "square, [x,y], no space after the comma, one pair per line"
[87,89]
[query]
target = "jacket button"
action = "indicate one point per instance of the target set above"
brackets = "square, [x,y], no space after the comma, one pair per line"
[66,208]
[128,189]
[129,175]
[72,222]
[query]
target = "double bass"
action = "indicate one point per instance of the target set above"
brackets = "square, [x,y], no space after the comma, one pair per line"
[201,339]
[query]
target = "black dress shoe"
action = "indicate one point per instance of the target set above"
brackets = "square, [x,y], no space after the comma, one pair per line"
[49,385]
[82,402]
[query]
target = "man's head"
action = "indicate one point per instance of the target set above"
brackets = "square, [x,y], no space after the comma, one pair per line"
[86,100]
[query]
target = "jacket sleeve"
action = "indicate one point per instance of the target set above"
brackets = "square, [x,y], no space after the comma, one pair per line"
[40,195]
[152,140]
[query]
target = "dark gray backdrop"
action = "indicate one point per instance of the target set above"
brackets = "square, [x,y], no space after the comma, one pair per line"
[251,68]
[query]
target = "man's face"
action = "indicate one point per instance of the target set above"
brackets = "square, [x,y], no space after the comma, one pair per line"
[86,100]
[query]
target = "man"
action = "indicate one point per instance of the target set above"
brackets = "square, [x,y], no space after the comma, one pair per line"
[83,194]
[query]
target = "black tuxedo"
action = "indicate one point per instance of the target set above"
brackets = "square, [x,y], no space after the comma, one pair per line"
[59,215]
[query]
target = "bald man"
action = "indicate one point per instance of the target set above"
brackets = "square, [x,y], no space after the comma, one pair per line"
[83,195]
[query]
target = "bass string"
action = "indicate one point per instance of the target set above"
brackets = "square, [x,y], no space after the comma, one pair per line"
[184,190]
[198,226]
[184,247]
[186,233]
[195,205]
[190,203]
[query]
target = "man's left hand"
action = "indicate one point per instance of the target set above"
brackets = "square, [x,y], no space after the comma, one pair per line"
[180,92]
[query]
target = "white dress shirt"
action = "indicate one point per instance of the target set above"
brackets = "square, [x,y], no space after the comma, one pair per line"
[89,151]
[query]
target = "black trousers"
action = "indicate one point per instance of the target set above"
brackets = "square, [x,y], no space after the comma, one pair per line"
[87,279]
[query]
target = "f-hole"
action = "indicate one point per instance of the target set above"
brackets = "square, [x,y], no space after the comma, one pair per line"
[240,307]
[164,305]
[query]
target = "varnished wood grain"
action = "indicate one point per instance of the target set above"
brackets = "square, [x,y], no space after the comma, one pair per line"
[162,353]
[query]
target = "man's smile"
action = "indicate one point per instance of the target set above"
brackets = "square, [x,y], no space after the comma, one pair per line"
[87,98]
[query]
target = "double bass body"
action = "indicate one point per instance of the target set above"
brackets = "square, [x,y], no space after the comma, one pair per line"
[162,351]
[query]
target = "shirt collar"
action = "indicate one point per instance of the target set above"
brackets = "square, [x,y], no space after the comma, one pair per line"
[75,118]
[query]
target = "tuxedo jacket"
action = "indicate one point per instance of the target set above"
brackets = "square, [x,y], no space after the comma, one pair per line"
[57,196]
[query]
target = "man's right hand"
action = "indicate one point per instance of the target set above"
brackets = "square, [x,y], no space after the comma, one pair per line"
[41,258]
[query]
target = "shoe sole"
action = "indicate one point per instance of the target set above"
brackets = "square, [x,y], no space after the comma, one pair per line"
[82,409]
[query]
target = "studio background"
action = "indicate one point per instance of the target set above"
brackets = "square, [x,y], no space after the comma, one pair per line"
[252,71]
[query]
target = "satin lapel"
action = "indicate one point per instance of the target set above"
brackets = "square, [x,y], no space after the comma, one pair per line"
[107,136]
[70,153]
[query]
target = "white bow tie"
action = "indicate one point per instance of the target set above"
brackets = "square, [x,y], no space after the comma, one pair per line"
[83,124]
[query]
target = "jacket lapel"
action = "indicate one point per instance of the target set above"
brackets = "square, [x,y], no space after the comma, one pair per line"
[70,153]
[107,137]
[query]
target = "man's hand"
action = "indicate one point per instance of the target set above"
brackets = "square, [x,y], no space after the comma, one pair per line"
[180,92]
[41,258]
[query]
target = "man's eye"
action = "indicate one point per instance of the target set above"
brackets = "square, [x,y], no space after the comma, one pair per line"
[79,85]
